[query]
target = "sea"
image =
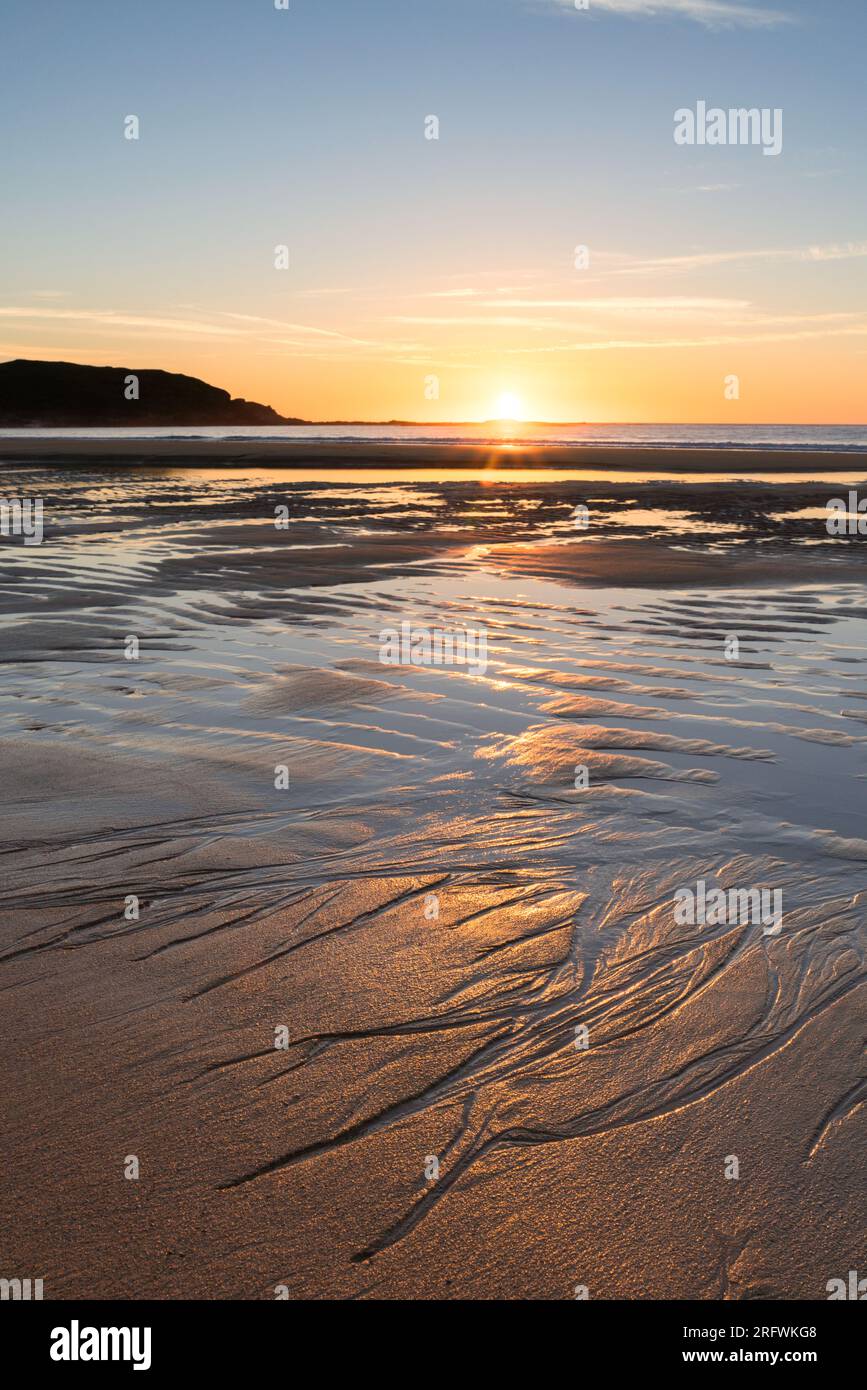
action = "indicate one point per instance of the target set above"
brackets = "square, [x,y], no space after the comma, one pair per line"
[842,438]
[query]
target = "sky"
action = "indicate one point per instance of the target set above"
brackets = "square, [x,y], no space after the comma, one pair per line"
[436,279]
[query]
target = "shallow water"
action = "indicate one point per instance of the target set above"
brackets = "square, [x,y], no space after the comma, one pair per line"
[430,907]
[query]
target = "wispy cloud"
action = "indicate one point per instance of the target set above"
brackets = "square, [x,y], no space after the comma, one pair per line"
[455,294]
[112,319]
[475,321]
[674,305]
[715,14]
[835,251]
[709,341]
[108,319]
[323,343]
[628,304]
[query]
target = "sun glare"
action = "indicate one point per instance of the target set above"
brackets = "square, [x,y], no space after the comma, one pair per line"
[509,407]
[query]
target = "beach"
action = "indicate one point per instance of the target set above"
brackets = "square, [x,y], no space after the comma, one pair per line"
[340,453]
[375,967]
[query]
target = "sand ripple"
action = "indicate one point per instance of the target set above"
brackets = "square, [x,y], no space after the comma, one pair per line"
[429,907]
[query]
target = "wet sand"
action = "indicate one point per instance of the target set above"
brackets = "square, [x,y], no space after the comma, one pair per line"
[430,908]
[340,454]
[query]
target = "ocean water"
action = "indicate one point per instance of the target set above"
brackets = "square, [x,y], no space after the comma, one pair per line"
[844,438]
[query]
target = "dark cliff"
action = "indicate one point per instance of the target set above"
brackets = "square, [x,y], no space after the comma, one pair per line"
[64,395]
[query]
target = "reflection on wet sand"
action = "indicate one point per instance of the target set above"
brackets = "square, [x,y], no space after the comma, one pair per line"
[431,910]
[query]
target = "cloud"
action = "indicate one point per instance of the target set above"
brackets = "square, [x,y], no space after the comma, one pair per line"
[110,318]
[675,305]
[798,255]
[106,318]
[244,327]
[628,304]
[714,14]
[454,294]
[709,341]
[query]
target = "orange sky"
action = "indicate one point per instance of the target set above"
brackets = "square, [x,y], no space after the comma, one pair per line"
[601,348]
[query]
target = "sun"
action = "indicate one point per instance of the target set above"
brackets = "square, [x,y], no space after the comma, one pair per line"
[509,407]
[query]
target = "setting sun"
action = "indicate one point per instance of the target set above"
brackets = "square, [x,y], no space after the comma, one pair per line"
[509,407]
